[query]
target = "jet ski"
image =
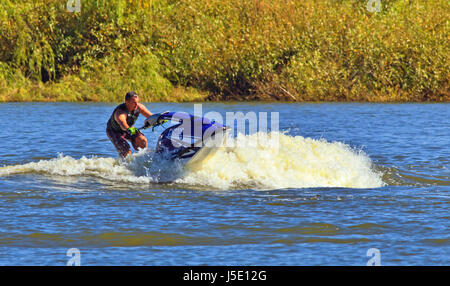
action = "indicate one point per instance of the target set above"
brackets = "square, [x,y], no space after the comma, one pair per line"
[189,137]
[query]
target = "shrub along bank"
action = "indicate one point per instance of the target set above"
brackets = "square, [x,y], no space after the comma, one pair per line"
[193,50]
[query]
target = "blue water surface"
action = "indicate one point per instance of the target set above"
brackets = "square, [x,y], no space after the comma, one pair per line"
[42,215]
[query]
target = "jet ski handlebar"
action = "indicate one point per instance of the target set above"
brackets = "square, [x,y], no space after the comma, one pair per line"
[158,119]
[155,120]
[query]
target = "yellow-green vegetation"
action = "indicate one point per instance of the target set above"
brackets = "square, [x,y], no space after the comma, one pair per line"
[193,50]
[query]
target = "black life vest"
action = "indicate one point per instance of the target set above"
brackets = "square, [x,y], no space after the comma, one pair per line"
[131,118]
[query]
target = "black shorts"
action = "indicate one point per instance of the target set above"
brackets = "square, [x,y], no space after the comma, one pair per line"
[119,140]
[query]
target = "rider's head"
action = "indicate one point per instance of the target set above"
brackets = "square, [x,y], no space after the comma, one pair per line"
[131,100]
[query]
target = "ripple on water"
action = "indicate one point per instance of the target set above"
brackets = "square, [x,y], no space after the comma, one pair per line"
[314,228]
[106,239]
[437,241]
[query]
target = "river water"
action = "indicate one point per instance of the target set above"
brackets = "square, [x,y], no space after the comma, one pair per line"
[345,181]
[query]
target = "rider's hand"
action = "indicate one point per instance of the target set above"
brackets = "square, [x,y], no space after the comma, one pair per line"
[132,131]
[152,120]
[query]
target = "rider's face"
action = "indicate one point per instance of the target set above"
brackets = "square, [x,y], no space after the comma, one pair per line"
[132,103]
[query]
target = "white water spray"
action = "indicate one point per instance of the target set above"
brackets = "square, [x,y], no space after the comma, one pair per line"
[295,162]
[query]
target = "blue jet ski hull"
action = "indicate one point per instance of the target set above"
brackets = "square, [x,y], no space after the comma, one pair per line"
[188,136]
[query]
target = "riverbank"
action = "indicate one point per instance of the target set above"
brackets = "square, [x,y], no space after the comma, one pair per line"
[201,50]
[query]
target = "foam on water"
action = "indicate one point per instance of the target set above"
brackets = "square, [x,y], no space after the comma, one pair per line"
[294,162]
[107,168]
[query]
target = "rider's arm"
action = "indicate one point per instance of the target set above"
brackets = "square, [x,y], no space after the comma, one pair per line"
[121,119]
[144,110]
